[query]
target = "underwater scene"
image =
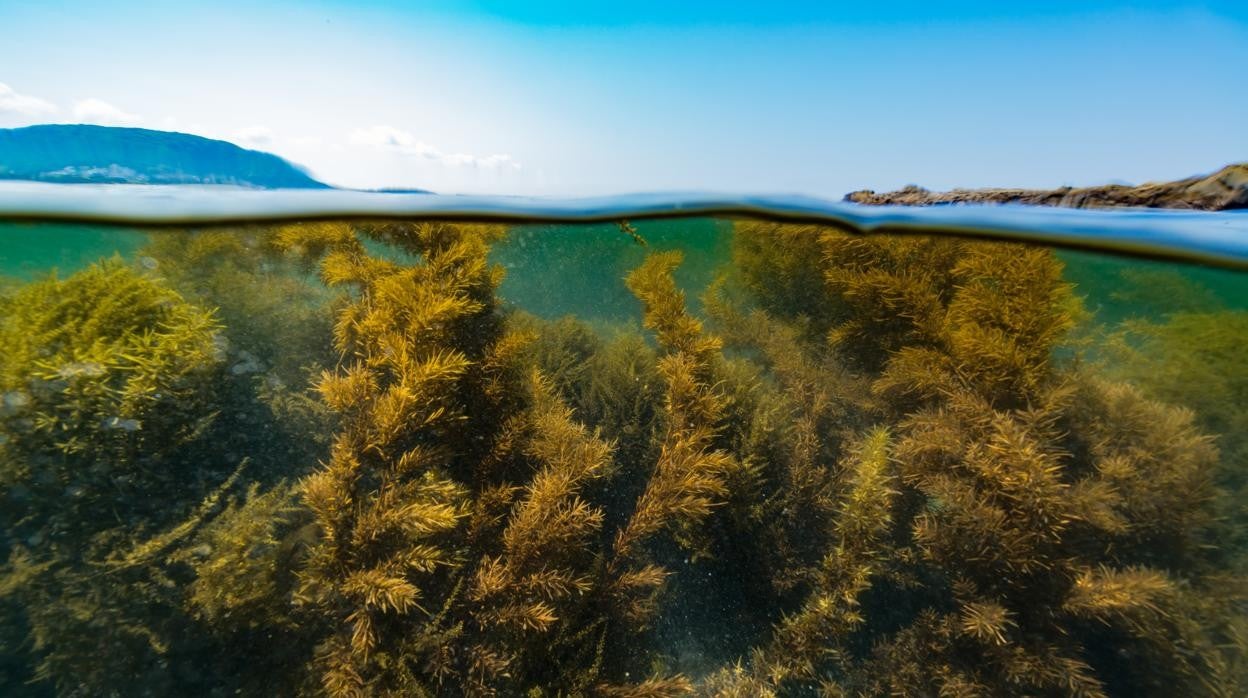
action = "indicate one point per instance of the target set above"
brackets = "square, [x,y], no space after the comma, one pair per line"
[693,456]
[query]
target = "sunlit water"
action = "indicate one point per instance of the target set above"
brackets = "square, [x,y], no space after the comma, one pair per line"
[302,444]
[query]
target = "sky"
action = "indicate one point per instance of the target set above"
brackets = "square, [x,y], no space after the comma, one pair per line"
[584,98]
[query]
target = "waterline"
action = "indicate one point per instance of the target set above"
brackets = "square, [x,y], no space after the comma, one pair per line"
[1215,238]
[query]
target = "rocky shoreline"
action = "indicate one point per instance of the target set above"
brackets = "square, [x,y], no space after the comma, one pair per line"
[1223,190]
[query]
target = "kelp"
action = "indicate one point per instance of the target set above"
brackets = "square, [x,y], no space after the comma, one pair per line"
[110,379]
[455,527]
[275,320]
[871,466]
[125,435]
[1039,519]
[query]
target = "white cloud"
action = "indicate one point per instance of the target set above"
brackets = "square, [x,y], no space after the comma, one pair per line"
[97,111]
[497,161]
[11,102]
[399,141]
[391,138]
[253,135]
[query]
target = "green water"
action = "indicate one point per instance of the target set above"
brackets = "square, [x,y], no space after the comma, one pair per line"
[560,269]
[29,250]
[693,456]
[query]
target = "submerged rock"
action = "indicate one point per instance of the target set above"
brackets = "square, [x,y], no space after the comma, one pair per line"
[121,424]
[13,401]
[247,363]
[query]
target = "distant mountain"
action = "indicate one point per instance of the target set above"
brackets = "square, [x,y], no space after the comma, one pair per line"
[81,153]
[1223,190]
[400,190]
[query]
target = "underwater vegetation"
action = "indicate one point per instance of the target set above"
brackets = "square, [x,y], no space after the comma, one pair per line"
[109,380]
[1040,515]
[335,459]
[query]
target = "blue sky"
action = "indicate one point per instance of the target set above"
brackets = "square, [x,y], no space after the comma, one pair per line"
[591,98]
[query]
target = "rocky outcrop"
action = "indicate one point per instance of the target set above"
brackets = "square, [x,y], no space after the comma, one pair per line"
[1225,189]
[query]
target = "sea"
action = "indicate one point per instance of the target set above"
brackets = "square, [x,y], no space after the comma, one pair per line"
[351,444]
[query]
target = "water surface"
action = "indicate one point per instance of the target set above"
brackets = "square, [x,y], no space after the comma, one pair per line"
[412,445]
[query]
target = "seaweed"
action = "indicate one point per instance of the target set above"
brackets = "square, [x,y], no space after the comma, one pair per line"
[453,523]
[857,465]
[1036,511]
[109,380]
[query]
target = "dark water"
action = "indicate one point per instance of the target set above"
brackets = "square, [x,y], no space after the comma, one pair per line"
[691,455]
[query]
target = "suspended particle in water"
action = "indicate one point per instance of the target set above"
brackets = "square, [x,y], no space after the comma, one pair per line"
[149,263]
